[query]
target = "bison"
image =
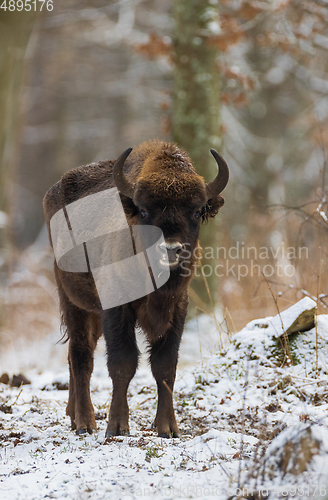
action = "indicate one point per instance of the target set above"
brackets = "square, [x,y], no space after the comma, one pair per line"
[157,186]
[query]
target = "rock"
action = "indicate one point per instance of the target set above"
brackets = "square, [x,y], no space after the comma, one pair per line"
[4,379]
[6,409]
[19,380]
[296,456]
[298,318]
[304,322]
[57,385]
[294,450]
[265,337]
[60,386]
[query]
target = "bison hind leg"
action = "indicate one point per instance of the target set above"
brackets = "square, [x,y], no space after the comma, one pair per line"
[83,330]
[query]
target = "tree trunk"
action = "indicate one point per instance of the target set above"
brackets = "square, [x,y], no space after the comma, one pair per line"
[15,30]
[196,106]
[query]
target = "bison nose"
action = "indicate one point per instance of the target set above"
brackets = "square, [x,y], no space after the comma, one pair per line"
[170,250]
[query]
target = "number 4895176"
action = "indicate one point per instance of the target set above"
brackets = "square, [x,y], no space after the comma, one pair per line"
[27,5]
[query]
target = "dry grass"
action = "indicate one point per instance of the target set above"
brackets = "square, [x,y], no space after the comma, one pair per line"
[29,303]
[306,233]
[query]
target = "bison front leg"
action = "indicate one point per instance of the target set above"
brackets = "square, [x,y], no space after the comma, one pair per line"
[163,359]
[122,361]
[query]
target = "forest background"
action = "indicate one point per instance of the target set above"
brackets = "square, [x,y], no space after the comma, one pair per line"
[85,80]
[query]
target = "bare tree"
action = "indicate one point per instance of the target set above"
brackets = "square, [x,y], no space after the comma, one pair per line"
[15,31]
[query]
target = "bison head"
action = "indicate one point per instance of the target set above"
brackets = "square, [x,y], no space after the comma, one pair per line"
[166,191]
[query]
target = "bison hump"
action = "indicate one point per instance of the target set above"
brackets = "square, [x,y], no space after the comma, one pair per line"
[85,180]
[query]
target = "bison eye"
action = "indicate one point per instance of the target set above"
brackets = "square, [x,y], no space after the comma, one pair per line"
[197,214]
[143,213]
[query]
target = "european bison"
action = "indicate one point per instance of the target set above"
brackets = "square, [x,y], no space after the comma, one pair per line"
[157,186]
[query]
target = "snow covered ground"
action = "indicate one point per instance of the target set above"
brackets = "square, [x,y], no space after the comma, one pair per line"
[251,429]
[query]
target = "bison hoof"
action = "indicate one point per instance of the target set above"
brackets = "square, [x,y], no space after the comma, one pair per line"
[80,432]
[110,433]
[168,436]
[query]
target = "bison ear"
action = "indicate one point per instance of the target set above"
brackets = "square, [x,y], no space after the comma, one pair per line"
[129,207]
[212,207]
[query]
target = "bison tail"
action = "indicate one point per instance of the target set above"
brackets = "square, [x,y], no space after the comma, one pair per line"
[63,330]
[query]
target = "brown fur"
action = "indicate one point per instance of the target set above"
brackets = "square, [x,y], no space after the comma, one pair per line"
[168,187]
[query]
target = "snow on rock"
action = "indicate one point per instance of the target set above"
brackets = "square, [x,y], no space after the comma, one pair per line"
[266,337]
[298,318]
[292,452]
[296,458]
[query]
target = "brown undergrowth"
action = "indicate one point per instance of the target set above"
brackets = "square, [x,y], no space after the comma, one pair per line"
[29,303]
[287,249]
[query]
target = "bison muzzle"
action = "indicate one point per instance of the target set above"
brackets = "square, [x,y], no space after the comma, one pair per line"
[157,186]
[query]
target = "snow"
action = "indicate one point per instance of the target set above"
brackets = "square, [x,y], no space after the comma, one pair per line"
[276,326]
[284,320]
[235,405]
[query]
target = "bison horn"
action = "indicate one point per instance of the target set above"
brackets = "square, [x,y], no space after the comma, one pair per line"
[121,181]
[215,187]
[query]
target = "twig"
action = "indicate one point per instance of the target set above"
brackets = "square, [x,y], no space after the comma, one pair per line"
[20,392]
[243,424]
[213,307]
[285,336]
